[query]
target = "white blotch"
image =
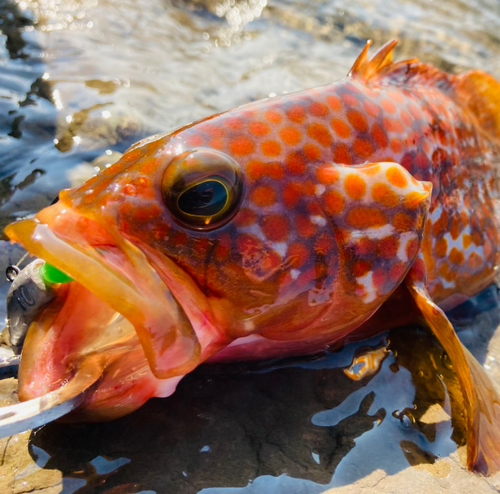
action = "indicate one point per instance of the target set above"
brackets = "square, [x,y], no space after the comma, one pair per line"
[318,220]
[205,449]
[320,188]
[315,457]
[366,282]
[280,248]
[295,273]
[404,238]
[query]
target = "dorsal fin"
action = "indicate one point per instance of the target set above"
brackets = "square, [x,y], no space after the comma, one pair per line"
[365,69]
[479,92]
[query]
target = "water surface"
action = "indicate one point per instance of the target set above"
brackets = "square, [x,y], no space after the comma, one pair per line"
[82,78]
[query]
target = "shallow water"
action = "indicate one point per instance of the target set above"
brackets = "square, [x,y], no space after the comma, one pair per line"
[84,77]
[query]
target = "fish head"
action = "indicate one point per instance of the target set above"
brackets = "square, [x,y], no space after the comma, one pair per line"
[233,226]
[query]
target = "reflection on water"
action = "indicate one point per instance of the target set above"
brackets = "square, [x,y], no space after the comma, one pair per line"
[79,78]
[296,426]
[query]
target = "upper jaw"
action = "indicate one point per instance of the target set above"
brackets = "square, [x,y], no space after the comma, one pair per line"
[119,273]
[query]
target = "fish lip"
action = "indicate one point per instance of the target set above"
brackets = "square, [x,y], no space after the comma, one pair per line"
[119,274]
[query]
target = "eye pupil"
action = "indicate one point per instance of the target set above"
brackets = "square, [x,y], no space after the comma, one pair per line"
[202,188]
[203,199]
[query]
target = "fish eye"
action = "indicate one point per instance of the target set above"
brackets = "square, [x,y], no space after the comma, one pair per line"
[202,188]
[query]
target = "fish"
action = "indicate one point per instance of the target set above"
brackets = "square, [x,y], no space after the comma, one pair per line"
[278,228]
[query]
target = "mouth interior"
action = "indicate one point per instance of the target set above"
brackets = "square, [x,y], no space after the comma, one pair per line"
[115,276]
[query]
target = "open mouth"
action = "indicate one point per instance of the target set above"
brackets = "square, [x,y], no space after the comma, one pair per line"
[124,306]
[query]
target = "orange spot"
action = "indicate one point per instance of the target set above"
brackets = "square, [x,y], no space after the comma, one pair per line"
[340,128]
[446,272]
[304,226]
[379,136]
[263,195]
[341,155]
[334,202]
[441,248]
[396,177]
[255,169]
[363,147]
[371,108]
[355,186]
[406,118]
[415,111]
[271,148]
[296,113]
[298,254]
[212,130]
[357,120]
[421,160]
[334,103]
[275,170]
[396,145]
[195,140]
[385,195]
[475,261]
[397,271]
[413,199]
[456,227]
[233,123]
[396,96]
[292,194]
[402,222]
[412,248]
[388,247]
[327,174]
[349,99]
[273,116]
[388,106]
[360,268]
[217,143]
[241,145]
[259,128]
[290,135]
[456,256]
[312,152]
[295,164]
[379,278]
[393,125]
[275,227]
[245,217]
[149,165]
[365,217]
[369,169]
[320,133]
[318,109]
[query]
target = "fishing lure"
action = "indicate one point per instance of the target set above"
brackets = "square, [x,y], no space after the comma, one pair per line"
[276,229]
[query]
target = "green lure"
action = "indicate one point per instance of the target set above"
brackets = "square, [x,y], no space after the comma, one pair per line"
[51,275]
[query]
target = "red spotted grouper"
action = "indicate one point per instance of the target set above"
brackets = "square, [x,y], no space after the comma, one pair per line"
[277,228]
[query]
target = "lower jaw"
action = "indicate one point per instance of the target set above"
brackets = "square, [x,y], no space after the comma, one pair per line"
[75,328]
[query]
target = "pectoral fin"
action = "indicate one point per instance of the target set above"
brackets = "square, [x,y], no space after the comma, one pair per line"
[481,401]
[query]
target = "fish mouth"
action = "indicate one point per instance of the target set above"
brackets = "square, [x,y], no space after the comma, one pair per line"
[123,302]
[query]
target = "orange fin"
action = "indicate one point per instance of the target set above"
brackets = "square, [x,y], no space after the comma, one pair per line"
[365,69]
[479,92]
[481,401]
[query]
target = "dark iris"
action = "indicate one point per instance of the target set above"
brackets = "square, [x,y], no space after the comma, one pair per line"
[203,199]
